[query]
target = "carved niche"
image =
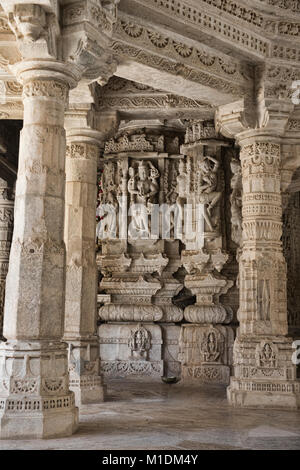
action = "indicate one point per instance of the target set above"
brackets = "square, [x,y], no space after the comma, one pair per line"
[139,343]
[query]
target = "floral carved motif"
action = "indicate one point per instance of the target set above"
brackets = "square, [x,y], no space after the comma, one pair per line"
[157,39]
[82,150]
[48,88]
[179,69]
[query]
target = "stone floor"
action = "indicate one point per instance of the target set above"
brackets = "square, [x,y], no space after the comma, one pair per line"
[172,417]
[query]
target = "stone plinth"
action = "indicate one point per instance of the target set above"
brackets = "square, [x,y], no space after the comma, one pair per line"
[131,349]
[84,368]
[35,400]
[264,375]
[205,352]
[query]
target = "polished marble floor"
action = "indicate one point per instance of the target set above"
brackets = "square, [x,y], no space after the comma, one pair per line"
[172,417]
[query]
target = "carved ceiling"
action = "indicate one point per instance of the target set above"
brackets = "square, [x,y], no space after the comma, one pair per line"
[131,99]
[137,101]
[206,51]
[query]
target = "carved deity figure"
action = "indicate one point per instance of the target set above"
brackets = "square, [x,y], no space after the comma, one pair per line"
[182,180]
[210,347]
[143,186]
[236,201]
[143,189]
[131,184]
[208,182]
[267,356]
[108,208]
[107,211]
[139,343]
[259,99]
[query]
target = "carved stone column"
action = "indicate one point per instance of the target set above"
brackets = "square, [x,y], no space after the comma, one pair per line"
[35,400]
[6,230]
[206,342]
[262,265]
[83,148]
[264,372]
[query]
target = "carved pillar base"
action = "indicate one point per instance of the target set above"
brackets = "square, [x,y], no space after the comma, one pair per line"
[85,379]
[132,350]
[205,352]
[264,375]
[35,383]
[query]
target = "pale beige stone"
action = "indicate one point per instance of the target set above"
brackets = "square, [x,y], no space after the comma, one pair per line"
[158,110]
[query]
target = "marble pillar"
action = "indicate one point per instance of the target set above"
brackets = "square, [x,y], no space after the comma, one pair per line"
[206,341]
[6,230]
[83,149]
[264,374]
[35,399]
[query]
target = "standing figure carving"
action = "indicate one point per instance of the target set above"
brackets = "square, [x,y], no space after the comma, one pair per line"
[143,189]
[107,211]
[182,185]
[108,207]
[208,182]
[236,201]
[139,342]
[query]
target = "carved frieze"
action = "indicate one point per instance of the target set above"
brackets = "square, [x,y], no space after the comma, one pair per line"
[49,88]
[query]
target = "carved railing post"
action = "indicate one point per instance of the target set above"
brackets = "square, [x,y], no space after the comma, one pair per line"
[264,372]
[6,230]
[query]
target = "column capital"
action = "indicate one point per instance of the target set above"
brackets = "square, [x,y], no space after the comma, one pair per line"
[29,71]
[83,121]
[240,120]
[76,33]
